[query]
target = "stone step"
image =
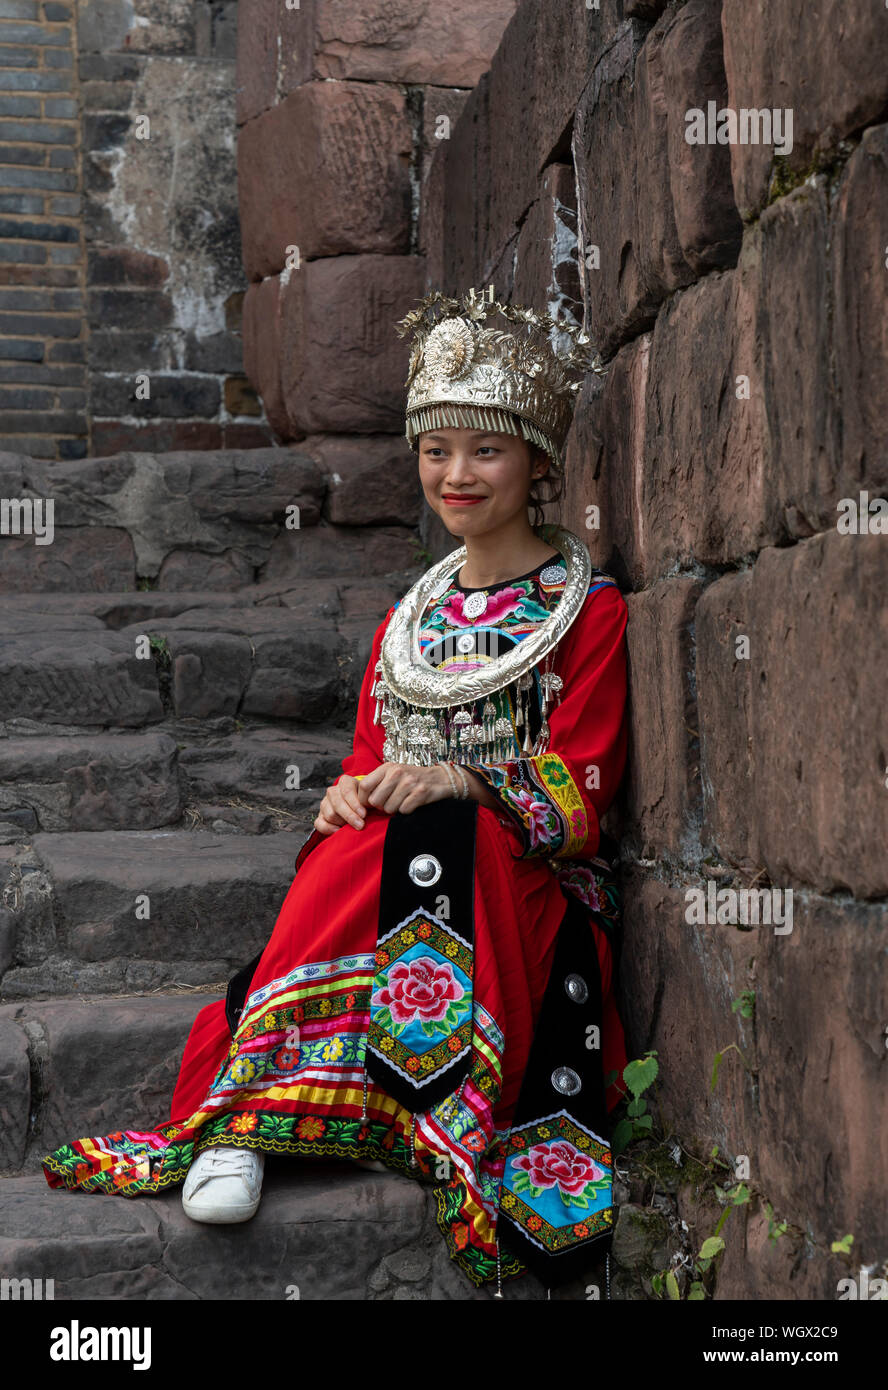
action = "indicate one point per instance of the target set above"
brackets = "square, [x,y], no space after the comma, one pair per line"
[324,596]
[65,667]
[81,674]
[185,519]
[147,780]
[264,768]
[257,662]
[90,782]
[73,1068]
[321,1232]
[103,912]
[193,519]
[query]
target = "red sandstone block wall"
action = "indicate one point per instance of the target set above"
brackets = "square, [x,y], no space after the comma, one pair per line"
[739,299]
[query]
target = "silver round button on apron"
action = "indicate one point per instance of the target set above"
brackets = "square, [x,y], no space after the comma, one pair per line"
[576,988]
[565,1080]
[425,869]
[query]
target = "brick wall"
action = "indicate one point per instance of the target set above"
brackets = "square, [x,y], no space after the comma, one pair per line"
[122,284]
[43,336]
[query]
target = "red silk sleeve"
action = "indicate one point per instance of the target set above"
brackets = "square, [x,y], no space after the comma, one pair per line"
[556,800]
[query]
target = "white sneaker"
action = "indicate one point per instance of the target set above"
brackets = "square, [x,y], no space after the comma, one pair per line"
[224,1185]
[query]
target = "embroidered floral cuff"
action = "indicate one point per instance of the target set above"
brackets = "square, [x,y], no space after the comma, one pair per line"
[541,796]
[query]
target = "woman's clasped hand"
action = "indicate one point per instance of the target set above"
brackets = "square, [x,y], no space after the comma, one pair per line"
[390,787]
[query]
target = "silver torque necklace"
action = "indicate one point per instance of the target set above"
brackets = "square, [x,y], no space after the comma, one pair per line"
[407,676]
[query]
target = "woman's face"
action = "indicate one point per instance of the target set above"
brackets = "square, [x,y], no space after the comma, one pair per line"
[477,481]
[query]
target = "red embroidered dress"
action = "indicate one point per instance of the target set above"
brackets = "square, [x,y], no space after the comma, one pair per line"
[292,1079]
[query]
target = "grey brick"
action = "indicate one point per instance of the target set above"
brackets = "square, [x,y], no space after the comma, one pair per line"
[71,398]
[66,352]
[39,231]
[109,67]
[21,9]
[19,57]
[23,253]
[54,13]
[135,351]
[120,308]
[64,255]
[42,132]
[13,104]
[62,159]
[21,202]
[20,350]
[105,130]
[64,207]
[25,154]
[60,107]
[38,373]
[58,58]
[44,299]
[176,396]
[55,422]
[25,33]
[25,398]
[14,81]
[106,96]
[40,325]
[74,448]
[23,177]
[32,445]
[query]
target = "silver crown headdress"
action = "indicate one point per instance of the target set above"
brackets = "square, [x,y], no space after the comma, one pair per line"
[468,371]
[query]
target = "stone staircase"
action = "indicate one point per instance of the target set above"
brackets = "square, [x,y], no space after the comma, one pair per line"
[178,676]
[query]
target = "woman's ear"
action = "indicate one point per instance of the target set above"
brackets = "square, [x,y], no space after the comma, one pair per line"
[539,463]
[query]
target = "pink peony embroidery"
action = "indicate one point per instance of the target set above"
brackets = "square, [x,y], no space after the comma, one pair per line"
[583,883]
[561,1165]
[537,816]
[424,989]
[499,604]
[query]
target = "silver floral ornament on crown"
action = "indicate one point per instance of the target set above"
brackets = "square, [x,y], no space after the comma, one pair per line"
[450,348]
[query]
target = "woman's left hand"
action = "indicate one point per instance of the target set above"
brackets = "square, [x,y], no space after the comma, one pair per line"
[402,787]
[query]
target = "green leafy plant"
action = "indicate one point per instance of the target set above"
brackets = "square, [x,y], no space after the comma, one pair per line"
[637,1122]
[745,1005]
[776,1228]
[719,1058]
[160,647]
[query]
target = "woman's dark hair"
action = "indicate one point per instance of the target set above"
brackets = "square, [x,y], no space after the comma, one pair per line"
[545,490]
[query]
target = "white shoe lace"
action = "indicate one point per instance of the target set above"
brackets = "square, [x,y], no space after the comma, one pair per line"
[230,1162]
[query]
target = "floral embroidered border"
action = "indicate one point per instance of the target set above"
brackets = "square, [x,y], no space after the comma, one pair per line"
[544,800]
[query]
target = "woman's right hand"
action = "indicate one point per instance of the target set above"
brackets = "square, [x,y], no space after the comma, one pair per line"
[341,806]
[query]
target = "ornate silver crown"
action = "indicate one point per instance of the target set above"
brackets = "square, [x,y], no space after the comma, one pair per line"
[467,370]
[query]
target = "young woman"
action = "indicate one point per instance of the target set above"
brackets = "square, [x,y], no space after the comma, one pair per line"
[437,992]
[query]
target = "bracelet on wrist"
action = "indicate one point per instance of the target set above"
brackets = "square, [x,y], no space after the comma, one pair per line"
[453,786]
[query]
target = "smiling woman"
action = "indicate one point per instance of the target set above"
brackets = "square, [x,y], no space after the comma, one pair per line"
[437,992]
[479,484]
